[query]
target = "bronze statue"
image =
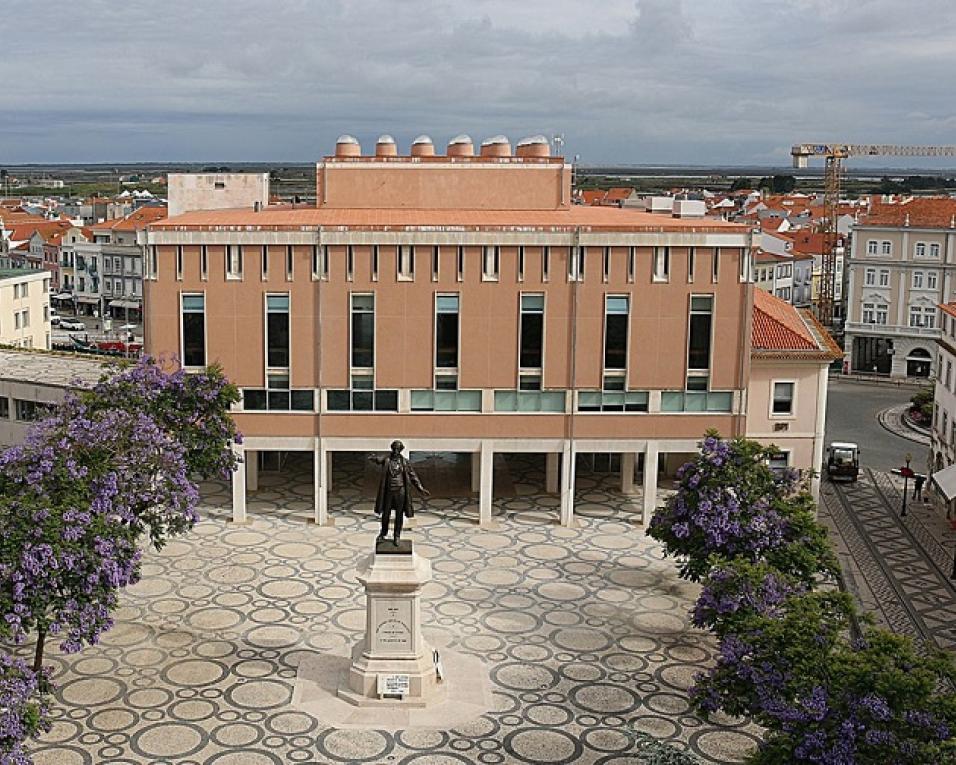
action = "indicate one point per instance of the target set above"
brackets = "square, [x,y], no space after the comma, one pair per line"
[394,490]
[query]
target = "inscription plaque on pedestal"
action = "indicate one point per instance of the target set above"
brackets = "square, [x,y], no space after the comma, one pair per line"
[393,632]
[394,685]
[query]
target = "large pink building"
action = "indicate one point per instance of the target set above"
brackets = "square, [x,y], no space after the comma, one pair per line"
[461,303]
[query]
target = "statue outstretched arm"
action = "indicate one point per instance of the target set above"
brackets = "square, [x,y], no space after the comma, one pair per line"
[413,477]
[378,459]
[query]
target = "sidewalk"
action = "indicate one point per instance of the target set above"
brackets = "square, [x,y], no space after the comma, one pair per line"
[894,420]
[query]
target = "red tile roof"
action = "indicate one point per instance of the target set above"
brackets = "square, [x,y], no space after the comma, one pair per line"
[135,221]
[46,228]
[949,308]
[781,331]
[918,212]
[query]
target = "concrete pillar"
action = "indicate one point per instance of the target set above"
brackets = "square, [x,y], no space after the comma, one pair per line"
[252,471]
[485,495]
[239,488]
[551,472]
[819,434]
[320,485]
[627,473]
[567,485]
[475,472]
[328,471]
[650,482]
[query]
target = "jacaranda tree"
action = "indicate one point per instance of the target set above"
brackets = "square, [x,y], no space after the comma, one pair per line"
[110,470]
[785,657]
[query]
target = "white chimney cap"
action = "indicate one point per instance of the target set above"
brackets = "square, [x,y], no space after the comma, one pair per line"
[347,139]
[495,140]
[385,139]
[463,138]
[532,140]
[422,139]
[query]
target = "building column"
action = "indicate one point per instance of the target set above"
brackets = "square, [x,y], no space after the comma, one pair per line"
[475,472]
[650,482]
[320,473]
[627,473]
[327,478]
[551,472]
[252,471]
[485,496]
[567,485]
[819,432]
[239,488]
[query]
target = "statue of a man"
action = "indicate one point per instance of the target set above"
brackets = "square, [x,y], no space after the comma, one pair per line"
[394,490]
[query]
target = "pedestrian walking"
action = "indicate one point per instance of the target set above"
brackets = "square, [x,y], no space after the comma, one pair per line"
[918,482]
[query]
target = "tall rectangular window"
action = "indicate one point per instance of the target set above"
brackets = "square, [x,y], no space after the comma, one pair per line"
[289,262]
[631,263]
[233,261]
[715,264]
[460,258]
[363,331]
[532,331]
[203,263]
[349,263]
[264,255]
[576,264]
[320,262]
[193,321]
[606,265]
[699,333]
[406,262]
[277,331]
[446,331]
[545,263]
[616,308]
[521,263]
[691,262]
[490,263]
[662,264]
[374,262]
[435,263]
[179,263]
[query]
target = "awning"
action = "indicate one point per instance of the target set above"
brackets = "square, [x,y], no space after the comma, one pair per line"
[125,304]
[92,300]
[63,296]
[945,482]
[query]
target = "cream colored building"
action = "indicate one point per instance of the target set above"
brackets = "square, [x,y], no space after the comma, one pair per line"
[902,266]
[25,308]
[787,393]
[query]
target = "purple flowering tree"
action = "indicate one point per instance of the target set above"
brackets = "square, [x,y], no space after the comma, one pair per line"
[108,470]
[729,503]
[824,699]
[24,707]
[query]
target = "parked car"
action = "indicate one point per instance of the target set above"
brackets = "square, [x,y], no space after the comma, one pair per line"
[54,319]
[72,325]
[843,460]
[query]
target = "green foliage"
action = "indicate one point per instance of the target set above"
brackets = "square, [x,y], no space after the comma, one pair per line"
[779,184]
[741,183]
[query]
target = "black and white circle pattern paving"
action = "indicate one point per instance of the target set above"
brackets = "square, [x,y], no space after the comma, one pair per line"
[584,631]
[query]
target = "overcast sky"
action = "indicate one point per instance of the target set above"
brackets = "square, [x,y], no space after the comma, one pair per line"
[644,82]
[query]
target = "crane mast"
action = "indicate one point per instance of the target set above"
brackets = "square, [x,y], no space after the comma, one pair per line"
[834,154]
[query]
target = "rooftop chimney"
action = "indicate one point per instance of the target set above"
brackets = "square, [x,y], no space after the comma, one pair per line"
[533,146]
[385,146]
[461,146]
[423,147]
[496,146]
[347,146]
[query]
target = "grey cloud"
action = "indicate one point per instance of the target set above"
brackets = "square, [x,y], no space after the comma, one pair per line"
[652,81]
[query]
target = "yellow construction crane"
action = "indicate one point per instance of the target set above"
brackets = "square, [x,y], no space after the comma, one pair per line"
[834,154]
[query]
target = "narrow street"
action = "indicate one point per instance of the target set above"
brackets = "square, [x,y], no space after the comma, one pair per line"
[898,568]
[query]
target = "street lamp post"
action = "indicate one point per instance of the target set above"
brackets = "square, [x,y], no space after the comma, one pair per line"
[906,475]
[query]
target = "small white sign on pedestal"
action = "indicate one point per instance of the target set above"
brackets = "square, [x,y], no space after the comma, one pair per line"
[394,685]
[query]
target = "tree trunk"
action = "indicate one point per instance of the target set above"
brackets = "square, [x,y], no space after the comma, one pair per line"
[38,656]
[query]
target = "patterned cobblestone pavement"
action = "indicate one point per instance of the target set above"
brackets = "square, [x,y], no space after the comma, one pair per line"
[899,568]
[585,632]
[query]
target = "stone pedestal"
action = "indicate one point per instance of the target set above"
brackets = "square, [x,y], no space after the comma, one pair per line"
[393,665]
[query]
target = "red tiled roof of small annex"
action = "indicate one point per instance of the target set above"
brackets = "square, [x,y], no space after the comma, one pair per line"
[923,212]
[777,326]
[577,216]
